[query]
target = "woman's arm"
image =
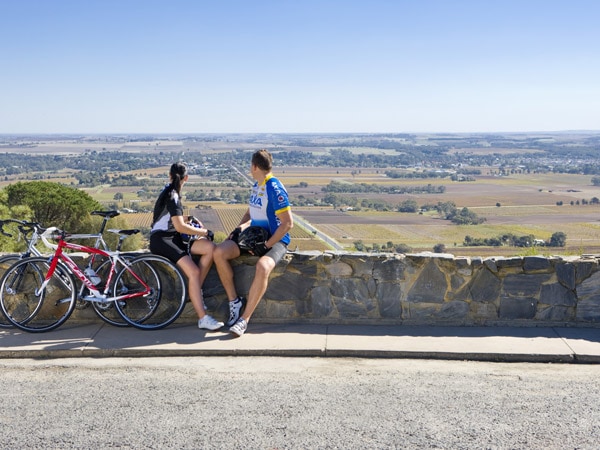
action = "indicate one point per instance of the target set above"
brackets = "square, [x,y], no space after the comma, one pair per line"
[182,227]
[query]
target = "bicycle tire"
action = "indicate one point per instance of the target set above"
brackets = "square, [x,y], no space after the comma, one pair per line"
[164,304]
[5,263]
[107,310]
[39,312]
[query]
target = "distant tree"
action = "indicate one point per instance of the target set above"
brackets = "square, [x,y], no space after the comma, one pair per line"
[359,246]
[409,206]
[596,181]
[403,248]
[118,196]
[558,239]
[498,204]
[53,204]
[465,217]
[439,248]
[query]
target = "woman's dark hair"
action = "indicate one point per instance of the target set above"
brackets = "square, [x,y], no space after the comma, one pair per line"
[263,160]
[177,173]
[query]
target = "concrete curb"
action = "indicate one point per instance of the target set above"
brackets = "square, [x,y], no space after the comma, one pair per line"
[493,344]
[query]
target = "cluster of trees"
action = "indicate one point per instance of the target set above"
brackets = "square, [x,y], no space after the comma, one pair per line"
[413,175]
[592,201]
[366,188]
[360,246]
[558,239]
[53,204]
[449,211]
[97,163]
[464,216]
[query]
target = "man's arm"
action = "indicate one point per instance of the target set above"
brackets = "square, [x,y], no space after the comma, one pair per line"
[244,223]
[286,223]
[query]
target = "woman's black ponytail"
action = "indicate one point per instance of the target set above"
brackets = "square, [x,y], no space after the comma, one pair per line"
[177,173]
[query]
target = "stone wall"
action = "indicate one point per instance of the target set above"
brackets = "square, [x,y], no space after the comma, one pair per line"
[432,289]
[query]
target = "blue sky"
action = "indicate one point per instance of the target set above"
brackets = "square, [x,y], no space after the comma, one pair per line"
[183,66]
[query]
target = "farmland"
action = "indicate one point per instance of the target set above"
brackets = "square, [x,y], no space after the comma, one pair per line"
[521,185]
[527,207]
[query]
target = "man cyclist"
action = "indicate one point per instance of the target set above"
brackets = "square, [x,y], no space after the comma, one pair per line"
[269,208]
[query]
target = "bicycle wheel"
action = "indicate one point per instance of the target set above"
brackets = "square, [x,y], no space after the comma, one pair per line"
[5,263]
[29,308]
[168,294]
[107,310]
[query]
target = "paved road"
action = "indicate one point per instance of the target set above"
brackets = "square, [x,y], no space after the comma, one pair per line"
[267,403]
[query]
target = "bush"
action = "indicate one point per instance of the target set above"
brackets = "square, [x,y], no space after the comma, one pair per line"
[439,248]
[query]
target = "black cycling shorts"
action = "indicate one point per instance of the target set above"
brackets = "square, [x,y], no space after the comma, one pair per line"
[168,244]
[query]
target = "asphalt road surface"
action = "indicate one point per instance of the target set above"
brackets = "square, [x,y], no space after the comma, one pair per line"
[297,403]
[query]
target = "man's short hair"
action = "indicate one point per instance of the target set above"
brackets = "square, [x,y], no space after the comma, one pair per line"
[263,160]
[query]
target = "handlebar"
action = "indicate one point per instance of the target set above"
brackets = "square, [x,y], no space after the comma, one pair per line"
[23,226]
[51,233]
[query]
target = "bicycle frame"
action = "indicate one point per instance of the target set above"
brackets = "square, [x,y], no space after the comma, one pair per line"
[60,255]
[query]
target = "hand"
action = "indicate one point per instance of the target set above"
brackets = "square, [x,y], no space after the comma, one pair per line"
[260,249]
[210,235]
[195,222]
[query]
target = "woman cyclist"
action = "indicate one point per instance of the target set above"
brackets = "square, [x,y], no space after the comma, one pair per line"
[168,224]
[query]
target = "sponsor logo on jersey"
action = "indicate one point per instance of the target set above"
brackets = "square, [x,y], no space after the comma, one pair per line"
[256,200]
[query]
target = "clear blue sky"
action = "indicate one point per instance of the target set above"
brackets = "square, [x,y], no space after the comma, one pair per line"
[147,66]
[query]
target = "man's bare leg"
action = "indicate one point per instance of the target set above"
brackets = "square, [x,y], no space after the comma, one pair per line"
[264,267]
[223,253]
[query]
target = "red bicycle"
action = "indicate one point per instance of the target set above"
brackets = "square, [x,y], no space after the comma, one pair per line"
[39,293]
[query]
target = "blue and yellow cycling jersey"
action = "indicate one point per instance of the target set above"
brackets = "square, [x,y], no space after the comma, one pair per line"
[266,201]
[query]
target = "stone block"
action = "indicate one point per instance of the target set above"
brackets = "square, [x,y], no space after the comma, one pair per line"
[536,263]
[430,286]
[338,269]
[589,310]
[565,273]
[388,298]
[292,286]
[557,294]
[524,285]
[584,269]
[454,310]
[485,286]
[517,308]
[390,270]
[510,263]
[556,314]
[483,311]
[322,304]
[589,288]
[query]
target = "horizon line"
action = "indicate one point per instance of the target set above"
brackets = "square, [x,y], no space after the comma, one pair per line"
[203,133]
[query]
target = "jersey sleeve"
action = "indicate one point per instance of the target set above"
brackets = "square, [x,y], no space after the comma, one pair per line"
[278,196]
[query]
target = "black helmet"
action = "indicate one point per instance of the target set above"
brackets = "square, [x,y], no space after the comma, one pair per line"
[251,236]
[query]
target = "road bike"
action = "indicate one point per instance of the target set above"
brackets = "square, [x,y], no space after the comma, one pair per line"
[39,293]
[31,231]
